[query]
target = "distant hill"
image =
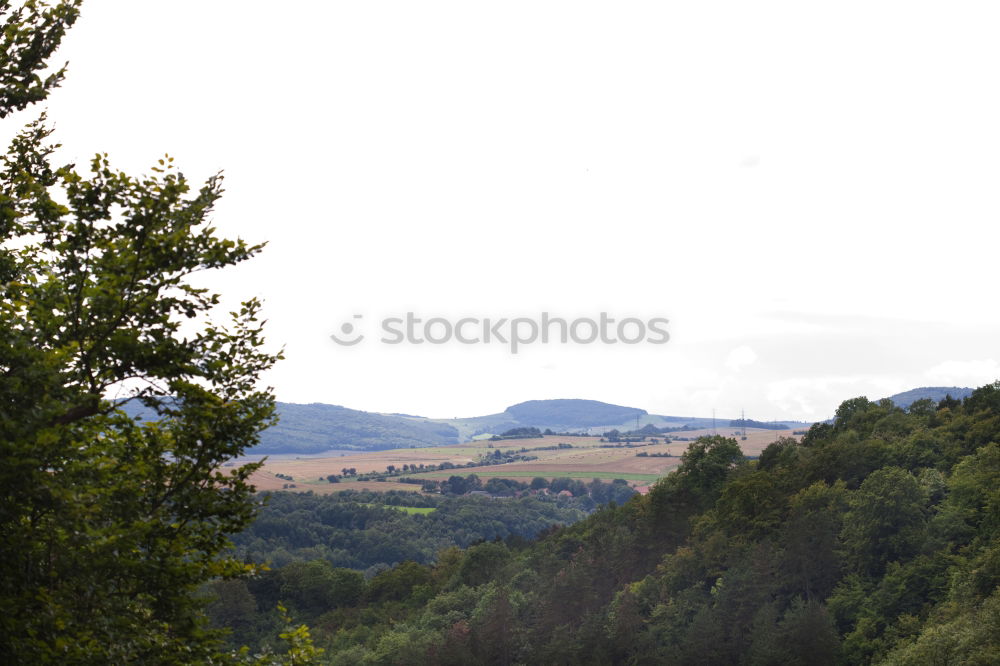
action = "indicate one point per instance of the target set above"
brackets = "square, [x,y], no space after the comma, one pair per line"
[935,393]
[590,416]
[317,427]
[571,414]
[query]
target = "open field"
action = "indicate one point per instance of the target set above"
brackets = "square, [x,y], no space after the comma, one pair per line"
[586,460]
[422,510]
[757,438]
[265,479]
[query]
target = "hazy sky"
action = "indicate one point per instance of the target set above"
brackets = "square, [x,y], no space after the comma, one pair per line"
[807,191]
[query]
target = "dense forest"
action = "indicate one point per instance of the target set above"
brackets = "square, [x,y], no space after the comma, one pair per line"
[324,537]
[874,540]
[366,530]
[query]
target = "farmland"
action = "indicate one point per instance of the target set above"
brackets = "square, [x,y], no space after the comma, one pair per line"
[588,458]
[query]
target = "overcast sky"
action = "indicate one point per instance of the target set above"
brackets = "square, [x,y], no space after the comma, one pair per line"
[807,191]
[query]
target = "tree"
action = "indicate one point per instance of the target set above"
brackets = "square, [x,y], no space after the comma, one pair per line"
[317,586]
[885,521]
[398,583]
[706,464]
[808,636]
[31,33]
[494,623]
[235,608]
[481,562]
[109,524]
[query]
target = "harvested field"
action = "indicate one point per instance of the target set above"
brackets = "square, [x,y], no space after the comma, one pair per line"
[587,459]
[264,479]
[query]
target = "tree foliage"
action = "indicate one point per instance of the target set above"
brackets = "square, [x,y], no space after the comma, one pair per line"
[109,525]
[31,34]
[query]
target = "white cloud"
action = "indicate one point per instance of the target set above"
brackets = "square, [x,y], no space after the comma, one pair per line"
[818,397]
[741,357]
[438,170]
[965,373]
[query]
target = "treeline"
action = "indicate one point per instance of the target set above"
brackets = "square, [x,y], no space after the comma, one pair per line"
[640,435]
[874,540]
[763,425]
[518,433]
[534,433]
[591,495]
